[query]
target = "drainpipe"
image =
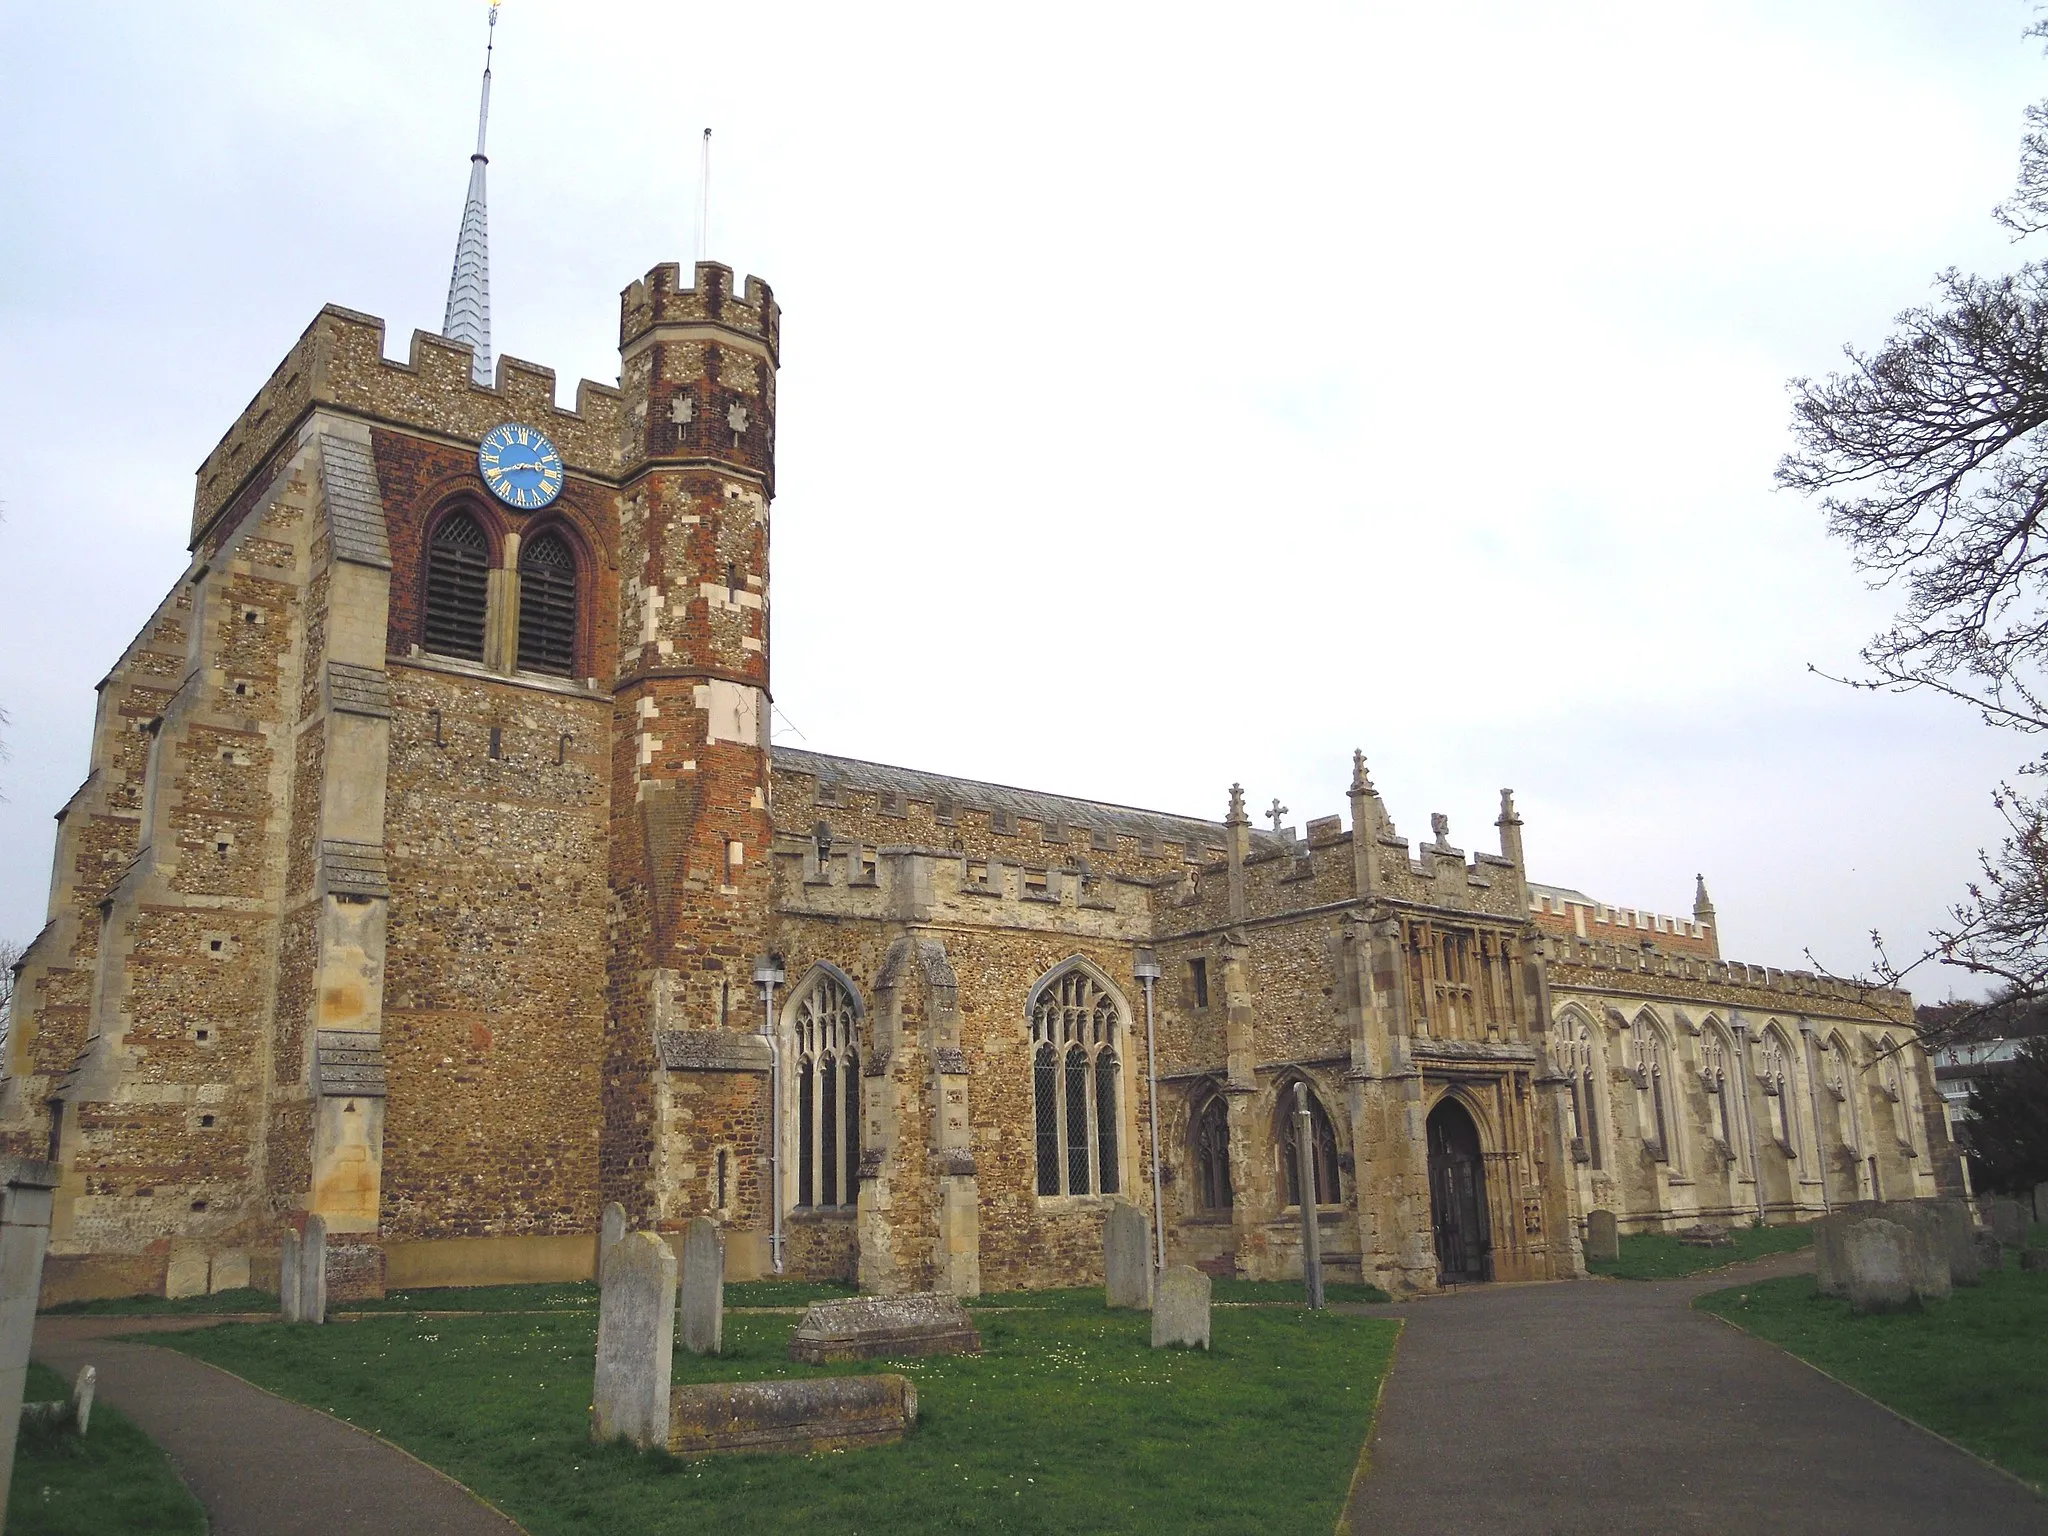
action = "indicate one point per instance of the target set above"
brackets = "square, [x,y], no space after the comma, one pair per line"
[1148,972]
[1756,1165]
[768,975]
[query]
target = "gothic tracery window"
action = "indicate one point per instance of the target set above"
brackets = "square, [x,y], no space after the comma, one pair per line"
[1777,1088]
[1646,1062]
[458,567]
[825,1042]
[1323,1137]
[1076,1076]
[1714,1078]
[1210,1154]
[547,606]
[1572,1047]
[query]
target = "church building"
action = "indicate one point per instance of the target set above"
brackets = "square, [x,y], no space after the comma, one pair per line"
[433,872]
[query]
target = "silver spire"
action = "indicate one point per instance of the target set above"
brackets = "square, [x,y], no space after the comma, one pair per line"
[469,285]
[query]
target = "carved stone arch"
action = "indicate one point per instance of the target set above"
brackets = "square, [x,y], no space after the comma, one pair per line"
[1473,1105]
[1330,1146]
[821,971]
[1088,967]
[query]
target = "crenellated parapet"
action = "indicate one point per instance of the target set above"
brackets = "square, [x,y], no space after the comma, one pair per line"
[661,299]
[338,363]
[1601,965]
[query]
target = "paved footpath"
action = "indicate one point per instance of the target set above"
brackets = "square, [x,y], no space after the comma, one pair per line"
[260,1465]
[1602,1406]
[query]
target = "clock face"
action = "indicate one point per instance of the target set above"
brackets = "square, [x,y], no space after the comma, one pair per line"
[520,466]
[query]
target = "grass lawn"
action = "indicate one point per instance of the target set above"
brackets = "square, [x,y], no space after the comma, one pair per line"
[1068,1422]
[1658,1256]
[1973,1368]
[114,1479]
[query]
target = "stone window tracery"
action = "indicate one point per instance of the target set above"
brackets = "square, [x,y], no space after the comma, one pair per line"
[1076,1072]
[1714,1078]
[1776,1089]
[825,1042]
[1210,1153]
[1572,1048]
[1324,1137]
[1646,1066]
[1893,1083]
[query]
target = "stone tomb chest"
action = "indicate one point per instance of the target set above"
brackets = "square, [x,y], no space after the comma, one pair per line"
[864,1327]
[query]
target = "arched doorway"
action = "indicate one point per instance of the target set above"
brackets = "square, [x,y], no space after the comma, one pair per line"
[1457,1194]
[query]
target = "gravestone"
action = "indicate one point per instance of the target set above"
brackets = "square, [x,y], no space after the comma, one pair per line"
[1990,1251]
[1705,1234]
[1876,1255]
[230,1271]
[2007,1220]
[186,1275]
[288,1287]
[1952,1221]
[865,1327]
[27,1196]
[1603,1237]
[2034,1259]
[609,1230]
[1180,1312]
[703,1291]
[82,1389]
[1127,1257]
[1828,1276]
[828,1413]
[2041,1201]
[636,1332]
[313,1271]
[1927,1268]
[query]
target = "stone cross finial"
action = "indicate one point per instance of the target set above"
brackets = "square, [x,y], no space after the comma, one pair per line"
[1276,810]
[1440,824]
[1236,817]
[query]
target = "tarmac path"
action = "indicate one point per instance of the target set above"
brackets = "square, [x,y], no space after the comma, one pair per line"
[1597,1406]
[261,1466]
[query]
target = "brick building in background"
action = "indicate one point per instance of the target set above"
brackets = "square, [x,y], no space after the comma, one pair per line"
[434,873]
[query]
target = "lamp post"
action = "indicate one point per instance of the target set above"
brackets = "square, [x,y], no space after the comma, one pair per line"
[1148,973]
[768,976]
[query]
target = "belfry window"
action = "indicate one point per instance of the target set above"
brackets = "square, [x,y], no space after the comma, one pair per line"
[547,606]
[1210,1153]
[826,1044]
[458,563]
[1075,1077]
[1322,1135]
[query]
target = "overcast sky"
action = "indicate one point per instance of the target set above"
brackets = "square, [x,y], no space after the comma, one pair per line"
[1171,394]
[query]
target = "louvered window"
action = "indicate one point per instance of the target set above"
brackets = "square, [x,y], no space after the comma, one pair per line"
[547,607]
[458,562]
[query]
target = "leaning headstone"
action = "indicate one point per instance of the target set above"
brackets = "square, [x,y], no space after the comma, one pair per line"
[289,1298]
[230,1271]
[1180,1312]
[313,1271]
[82,1390]
[703,1291]
[610,1229]
[636,1332]
[186,1275]
[2005,1218]
[818,1413]
[2041,1202]
[866,1327]
[1127,1257]
[1603,1237]
[1875,1253]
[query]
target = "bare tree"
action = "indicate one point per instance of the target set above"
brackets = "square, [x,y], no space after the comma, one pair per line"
[1930,462]
[10,956]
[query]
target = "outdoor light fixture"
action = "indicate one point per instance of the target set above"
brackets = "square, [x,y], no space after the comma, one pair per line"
[1148,972]
[768,974]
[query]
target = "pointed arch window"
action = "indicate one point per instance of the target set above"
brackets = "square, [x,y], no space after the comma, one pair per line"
[1573,1048]
[825,1041]
[1714,1078]
[1776,1082]
[547,606]
[1324,1137]
[1646,1066]
[1076,1024]
[1892,1081]
[458,569]
[1209,1152]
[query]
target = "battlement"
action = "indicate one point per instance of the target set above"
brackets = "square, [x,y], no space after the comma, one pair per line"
[660,298]
[1561,911]
[1569,953]
[339,362]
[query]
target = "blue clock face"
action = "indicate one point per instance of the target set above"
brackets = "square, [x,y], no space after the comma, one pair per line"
[520,466]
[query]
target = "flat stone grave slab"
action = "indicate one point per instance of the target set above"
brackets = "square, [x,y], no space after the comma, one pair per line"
[1705,1235]
[831,1413]
[868,1327]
